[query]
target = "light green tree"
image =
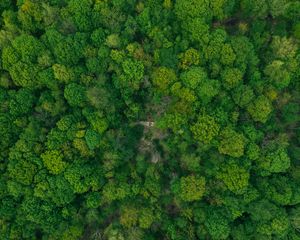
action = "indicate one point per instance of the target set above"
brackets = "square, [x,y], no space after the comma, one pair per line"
[232,143]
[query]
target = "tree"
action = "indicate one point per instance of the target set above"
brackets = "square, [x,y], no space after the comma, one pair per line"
[227,55]
[278,74]
[97,121]
[53,161]
[113,41]
[92,139]
[221,8]
[157,119]
[294,217]
[191,188]
[112,233]
[9,133]
[55,189]
[253,151]
[191,162]
[292,11]
[189,58]
[186,10]
[23,159]
[20,59]
[35,212]
[69,50]
[259,109]
[277,189]
[217,225]
[283,48]
[235,177]
[129,216]
[81,13]
[22,102]
[242,95]
[133,74]
[98,37]
[205,129]
[269,219]
[146,218]
[6,4]
[277,7]
[115,191]
[163,77]
[232,143]
[274,162]
[22,171]
[194,76]
[63,73]
[82,177]
[75,94]
[201,34]
[208,89]
[135,233]
[255,8]
[231,77]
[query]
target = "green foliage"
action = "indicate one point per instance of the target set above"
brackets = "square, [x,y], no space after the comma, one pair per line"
[20,59]
[205,129]
[242,95]
[146,218]
[278,190]
[192,188]
[62,73]
[23,171]
[80,11]
[153,119]
[278,74]
[227,55]
[190,9]
[133,74]
[53,161]
[75,94]
[260,108]
[97,121]
[274,162]
[208,89]
[112,233]
[194,76]
[113,191]
[22,102]
[232,143]
[129,216]
[217,225]
[235,178]
[189,57]
[255,8]
[92,139]
[163,77]
[191,162]
[113,41]
[269,219]
[81,177]
[202,32]
[68,51]
[55,189]
[231,77]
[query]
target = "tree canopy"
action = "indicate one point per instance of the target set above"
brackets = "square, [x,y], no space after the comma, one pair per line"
[149,119]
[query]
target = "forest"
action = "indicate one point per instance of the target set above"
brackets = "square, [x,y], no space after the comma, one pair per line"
[149,119]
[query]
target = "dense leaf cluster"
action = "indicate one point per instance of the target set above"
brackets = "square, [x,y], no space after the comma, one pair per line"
[149,119]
